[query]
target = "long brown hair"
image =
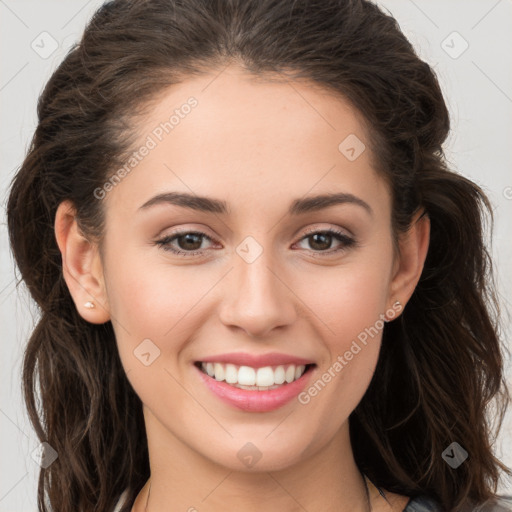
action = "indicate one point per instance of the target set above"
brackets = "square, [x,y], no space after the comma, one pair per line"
[440,368]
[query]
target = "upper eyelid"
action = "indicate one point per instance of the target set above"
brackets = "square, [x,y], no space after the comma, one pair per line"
[305,231]
[306,234]
[310,231]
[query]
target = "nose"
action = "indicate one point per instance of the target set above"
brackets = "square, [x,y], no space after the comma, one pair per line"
[256,297]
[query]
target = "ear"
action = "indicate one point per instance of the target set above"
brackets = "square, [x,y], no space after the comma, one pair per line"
[81,266]
[413,247]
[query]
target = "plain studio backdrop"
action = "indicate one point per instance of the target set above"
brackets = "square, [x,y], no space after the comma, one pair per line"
[468,43]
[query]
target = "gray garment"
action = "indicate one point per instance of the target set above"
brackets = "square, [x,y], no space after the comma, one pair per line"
[426,504]
[422,504]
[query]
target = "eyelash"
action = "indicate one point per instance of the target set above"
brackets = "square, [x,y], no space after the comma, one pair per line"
[346,241]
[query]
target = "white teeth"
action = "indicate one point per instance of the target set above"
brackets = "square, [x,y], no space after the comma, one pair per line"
[219,371]
[279,375]
[265,376]
[231,374]
[246,377]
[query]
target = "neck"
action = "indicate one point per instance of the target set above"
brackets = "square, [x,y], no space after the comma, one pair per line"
[182,479]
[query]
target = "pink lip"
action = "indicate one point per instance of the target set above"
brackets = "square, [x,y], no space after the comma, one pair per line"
[254,400]
[254,361]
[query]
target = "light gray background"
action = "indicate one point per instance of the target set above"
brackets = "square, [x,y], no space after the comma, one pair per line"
[478,87]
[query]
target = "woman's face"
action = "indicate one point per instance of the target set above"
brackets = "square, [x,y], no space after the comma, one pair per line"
[257,280]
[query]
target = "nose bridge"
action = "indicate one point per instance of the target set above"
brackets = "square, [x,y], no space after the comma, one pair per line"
[257,299]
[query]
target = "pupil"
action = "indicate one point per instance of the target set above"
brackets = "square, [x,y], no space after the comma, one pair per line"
[188,238]
[321,235]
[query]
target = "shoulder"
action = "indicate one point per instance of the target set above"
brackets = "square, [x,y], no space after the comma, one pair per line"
[497,504]
[423,504]
[427,504]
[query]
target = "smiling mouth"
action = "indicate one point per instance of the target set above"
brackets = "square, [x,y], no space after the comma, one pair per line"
[254,379]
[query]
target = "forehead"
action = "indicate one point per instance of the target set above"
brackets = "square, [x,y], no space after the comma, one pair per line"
[251,109]
[229,134]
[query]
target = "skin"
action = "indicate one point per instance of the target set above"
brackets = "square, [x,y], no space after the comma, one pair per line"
[257,145]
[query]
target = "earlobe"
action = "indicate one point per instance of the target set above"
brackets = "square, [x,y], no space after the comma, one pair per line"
[413,248]
[81,266]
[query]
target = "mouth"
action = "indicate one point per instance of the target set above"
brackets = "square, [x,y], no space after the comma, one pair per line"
[254,389]
[248,378]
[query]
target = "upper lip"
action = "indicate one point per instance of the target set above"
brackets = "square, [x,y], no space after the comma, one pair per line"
[256,361]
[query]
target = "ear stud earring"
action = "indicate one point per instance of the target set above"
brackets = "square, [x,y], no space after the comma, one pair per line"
[89,305]
[391,312]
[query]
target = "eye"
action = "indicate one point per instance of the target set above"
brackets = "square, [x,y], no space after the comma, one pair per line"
[188,242]
[320,240]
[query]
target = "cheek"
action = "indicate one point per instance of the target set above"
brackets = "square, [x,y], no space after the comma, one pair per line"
[347,299]
[147,295]
[350,303]
[352,336]
[145,301]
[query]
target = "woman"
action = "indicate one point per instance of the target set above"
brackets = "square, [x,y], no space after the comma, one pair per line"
[328,341]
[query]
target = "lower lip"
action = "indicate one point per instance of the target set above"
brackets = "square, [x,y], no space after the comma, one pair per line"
[253,400]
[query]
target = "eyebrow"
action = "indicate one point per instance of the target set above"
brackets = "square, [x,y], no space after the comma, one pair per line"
[297,207]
